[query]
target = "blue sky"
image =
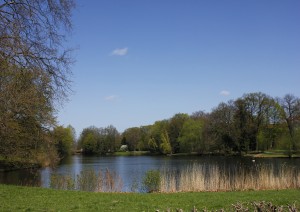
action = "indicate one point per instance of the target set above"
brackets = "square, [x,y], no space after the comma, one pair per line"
[139,61]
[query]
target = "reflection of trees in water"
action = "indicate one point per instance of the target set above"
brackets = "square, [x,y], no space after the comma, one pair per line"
[213,170]
[25,177]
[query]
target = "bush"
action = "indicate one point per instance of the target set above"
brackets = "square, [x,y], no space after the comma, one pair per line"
[151,181]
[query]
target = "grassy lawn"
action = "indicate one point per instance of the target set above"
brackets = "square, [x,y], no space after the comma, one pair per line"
[15,198]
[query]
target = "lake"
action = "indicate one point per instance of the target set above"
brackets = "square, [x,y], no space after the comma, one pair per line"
[131,169]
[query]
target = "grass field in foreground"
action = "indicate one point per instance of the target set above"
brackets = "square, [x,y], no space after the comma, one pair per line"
[16,198]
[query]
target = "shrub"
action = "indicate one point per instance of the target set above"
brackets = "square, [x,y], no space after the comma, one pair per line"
[151,181]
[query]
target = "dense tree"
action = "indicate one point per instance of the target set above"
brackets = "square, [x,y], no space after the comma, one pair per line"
[133,137]
[111,139]
[165,146]
[88,140]
[220,128]
[156,130]
[34,75]
[26,114]
[254,122]
[95,140]
[64,139]
[191,136]
[174,129]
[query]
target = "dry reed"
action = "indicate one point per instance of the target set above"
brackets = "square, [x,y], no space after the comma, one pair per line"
[197,178]
[89,180]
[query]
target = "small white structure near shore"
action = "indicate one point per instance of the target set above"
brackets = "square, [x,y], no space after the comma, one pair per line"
[124,148]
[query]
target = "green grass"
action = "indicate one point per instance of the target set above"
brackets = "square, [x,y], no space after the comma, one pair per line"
[15,198]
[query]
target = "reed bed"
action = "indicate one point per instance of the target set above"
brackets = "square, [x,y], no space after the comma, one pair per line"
[194,178]
[198,178]
[102,181]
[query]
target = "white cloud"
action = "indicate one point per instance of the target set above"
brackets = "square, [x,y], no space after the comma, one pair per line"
[120,52]
[111,98]
[224,93]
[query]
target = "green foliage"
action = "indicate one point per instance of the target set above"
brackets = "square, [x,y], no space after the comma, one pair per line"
[133,137]
[155,135]
[151,181]
[254,122]
[165,146]
[174,130]
[153,147]
[26,114]
[64,140]
[99,140]
[89,143]
[34,75]
[191,137]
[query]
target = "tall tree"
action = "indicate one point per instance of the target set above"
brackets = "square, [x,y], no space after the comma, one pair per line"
[291,114]
[32,34]
[64,140]
[34,72]
[165,146]
[257,105]
[26,114]
[220,128]
[156,130]
[191,136]
[133,137]
[174,130]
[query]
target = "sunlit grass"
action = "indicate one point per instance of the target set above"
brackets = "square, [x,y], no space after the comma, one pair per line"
[15,198]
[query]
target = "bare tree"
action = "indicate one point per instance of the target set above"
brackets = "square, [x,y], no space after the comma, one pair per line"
[32,37]
[291,113]
[34,73]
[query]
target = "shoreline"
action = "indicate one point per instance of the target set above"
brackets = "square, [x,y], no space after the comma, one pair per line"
[17,165]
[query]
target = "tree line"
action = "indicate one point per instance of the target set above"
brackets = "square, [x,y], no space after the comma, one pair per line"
[253,122]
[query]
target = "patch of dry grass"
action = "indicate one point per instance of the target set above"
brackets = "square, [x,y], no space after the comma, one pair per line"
[198,178]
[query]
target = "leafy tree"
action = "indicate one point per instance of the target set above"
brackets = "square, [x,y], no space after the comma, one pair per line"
[99,140]
[88,140]
[111,139]
[191,137]
[156,130]
[34,75]
[133,137]
[90,143]
[145,135]
[165,146]
[220,128]
[64,140]
[174,129]
[26,114]
[153,147]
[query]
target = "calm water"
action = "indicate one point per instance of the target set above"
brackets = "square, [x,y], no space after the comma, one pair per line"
[132,168]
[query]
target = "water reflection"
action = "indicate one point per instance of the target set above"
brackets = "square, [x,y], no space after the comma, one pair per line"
[132,168]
